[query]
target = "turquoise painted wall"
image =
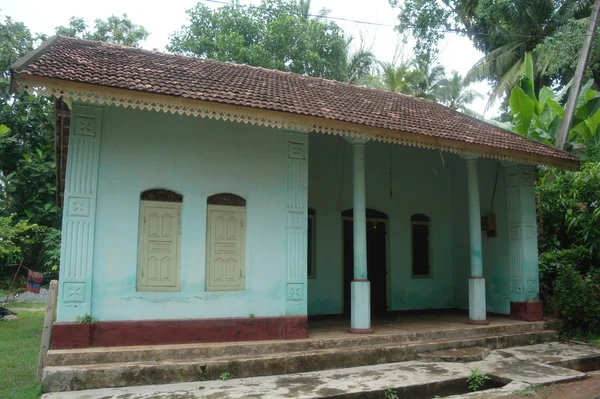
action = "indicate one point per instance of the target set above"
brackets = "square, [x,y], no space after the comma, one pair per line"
[495,249]
[420,184]
[200,157]
[197,158]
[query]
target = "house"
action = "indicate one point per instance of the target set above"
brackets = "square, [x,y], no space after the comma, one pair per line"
[207,201]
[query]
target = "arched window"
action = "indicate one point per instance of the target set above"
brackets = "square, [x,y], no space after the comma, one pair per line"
[225,242]
[421,249]
[160,241]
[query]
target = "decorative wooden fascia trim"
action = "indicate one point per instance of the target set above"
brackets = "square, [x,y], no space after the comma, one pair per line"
[87,93]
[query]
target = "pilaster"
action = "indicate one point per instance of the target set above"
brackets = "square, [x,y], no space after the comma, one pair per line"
[296,156]
[79,214]
[522,230]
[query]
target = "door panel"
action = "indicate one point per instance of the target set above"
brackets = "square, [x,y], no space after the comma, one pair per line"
[225,248]
[158,266]
[376,263]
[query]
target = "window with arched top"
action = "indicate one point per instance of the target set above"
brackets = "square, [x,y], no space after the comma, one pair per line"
[160,241]
[225,242]
[421,246]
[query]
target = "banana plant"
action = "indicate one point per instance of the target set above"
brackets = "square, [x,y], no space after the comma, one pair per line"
[539,117]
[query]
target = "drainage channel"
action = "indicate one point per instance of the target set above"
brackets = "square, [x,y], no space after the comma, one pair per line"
[440,389]
[584,364]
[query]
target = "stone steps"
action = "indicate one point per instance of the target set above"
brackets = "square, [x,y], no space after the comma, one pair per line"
[198,366]
[250,348]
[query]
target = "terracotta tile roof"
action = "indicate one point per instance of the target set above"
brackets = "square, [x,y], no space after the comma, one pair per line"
[120,67]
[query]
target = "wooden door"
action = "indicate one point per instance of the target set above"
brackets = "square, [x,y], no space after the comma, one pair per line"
[160,230]
[225,269]
[376,263]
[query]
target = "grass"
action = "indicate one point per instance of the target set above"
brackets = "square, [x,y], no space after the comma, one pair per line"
[19,351]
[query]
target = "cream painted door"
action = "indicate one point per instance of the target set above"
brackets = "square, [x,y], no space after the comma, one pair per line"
[225,248]
[160,236]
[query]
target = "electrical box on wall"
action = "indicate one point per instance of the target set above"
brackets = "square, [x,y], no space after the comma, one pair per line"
[488,223]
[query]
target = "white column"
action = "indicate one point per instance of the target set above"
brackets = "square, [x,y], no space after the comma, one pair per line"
[360,311]
[79,214]
[477,306]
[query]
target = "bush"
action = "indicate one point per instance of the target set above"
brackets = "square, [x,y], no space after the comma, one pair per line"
[552,262]
[576,300]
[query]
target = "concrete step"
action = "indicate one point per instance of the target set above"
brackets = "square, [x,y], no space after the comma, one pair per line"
[519,368]
[214,350]
[147,372]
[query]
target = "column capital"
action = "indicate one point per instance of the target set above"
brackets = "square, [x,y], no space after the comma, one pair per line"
[356,140]
[297,131]
[469,157]
[508,164]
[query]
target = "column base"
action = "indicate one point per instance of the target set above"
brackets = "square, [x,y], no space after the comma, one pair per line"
[360,307]
[361,330]
[526,311]
[478,322]
[477,308]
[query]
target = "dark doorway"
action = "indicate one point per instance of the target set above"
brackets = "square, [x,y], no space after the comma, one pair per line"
[376,259]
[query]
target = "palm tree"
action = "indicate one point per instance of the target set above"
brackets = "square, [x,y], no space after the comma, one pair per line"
[304,10]
[431,76]
[455,93]
[360,64]
[398,79]
[523,25]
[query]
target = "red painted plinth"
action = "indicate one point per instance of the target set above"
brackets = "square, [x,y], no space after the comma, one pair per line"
[526,311]
[159,332]
[71,335]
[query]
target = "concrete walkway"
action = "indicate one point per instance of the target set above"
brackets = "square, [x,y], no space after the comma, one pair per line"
[517,367]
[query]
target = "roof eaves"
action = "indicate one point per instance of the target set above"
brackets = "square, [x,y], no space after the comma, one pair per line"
[28,59]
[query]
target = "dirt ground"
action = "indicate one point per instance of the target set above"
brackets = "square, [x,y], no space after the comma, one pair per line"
[586,389]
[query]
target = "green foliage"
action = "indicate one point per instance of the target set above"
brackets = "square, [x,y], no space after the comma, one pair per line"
[389,393]
[503,31]
[115,29]
[577,300]
[226,375]
[277,34]
[14,237]
[87,319]
[476,379]
[425,79]
[37,246]
[569,210]
[538,116]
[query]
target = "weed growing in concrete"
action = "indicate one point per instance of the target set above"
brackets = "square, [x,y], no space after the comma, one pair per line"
[524,392]
[226,375]
[389,393]
[87,319]
[477,378]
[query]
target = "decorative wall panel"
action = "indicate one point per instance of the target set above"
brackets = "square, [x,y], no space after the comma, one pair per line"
[77,251]
[296,151]
[522,233]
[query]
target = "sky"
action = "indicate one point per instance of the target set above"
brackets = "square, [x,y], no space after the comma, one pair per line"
[42,16]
